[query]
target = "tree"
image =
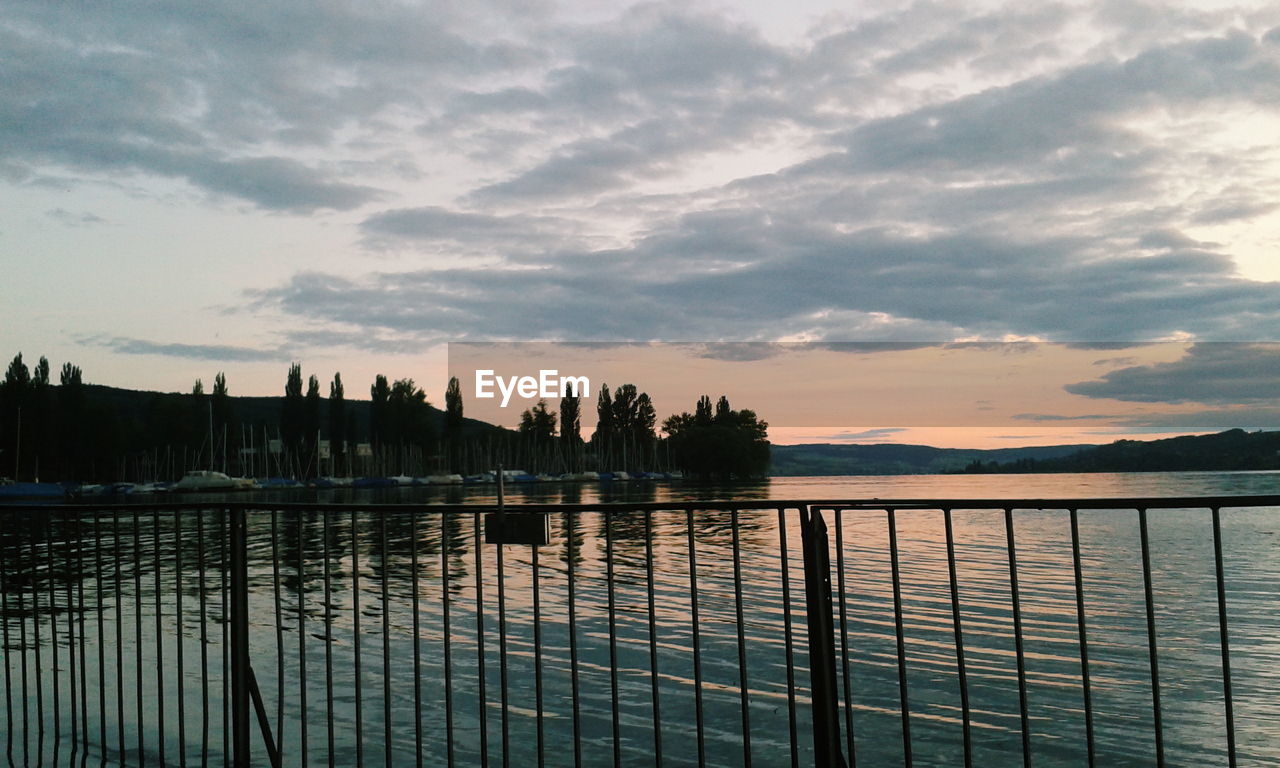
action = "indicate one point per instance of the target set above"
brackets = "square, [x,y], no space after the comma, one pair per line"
[571,428]
[453,421]
[14,393]
[727,445]
[221,410]
[291,410]
[538,423]
[379,393]
[408,424]
[311,423]
[71,417]
[602,439]
[17,378]
[41,376]
[337,420]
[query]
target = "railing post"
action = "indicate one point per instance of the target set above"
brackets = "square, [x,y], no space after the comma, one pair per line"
[822,653]
[239,640]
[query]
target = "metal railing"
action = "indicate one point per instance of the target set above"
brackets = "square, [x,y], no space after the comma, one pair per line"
[707,633]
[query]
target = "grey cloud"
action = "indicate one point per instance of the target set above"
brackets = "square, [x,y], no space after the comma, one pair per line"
[74,219]
[865,435]
[728,279]
[279,184]
[1025,205]
[1030,120]
[433,223]
[1209,373]
[218,352]
[223,94]
[1242,417]
[1169,239]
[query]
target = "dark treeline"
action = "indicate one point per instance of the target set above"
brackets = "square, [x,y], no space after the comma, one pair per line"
[1232,450]
[71,431]
[721,445]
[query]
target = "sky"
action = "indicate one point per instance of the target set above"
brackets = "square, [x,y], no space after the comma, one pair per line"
[199,187]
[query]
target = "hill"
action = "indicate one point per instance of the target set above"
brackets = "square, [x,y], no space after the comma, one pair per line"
[897,459]
[1233,450]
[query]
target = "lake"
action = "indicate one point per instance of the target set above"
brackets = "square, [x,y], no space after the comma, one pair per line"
[160,566]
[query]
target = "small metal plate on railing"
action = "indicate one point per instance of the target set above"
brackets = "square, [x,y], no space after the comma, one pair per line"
[531,528]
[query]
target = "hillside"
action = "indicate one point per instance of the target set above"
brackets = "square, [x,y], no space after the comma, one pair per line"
[133,409]
[895,459]
[1233,450]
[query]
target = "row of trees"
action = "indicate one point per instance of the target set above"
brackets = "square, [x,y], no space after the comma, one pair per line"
[47,428]
[720,443]
[78,433]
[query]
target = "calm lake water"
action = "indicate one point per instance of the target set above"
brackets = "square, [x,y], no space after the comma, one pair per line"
[47,569]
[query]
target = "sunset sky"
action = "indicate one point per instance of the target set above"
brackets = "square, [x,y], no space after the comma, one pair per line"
[190,188]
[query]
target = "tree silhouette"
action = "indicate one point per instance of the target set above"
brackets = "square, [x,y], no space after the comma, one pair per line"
[453,421]
[727,445]
[338,435]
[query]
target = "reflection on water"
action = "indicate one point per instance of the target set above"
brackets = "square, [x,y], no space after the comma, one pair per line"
[83,665]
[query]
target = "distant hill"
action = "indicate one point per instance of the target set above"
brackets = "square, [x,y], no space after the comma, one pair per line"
[135,408]
[813,459]
[1233,450]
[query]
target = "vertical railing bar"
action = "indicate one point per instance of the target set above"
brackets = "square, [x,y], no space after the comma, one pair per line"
[653,637]
[76,640]
[1016,600]
[502,653]
[743,686]
[102,643]
[303,714]
[22,578]
[417,639]
[279,611]
[355,636]
[790,640]
[1228,707]
[84,667]
[137,634]
[35,631]
[1151,638]
[697,641]
[204,639]
[481,696]
[223,596]
[177,576]
[537,659]
[1082,630]
[386,642]
[958,631]
[573,639]
[903,698]
[115,533]
[71,641]
[53,631]
[8,674]
[613,638]
[448,646]
[328,638]
[846,672]
[51,563]
[156,549]
[240,673]
[821,638]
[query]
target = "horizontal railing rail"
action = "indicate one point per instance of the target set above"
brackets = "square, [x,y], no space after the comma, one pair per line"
[693,632]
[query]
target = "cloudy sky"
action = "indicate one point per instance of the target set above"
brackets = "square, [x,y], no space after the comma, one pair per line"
[194,187]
